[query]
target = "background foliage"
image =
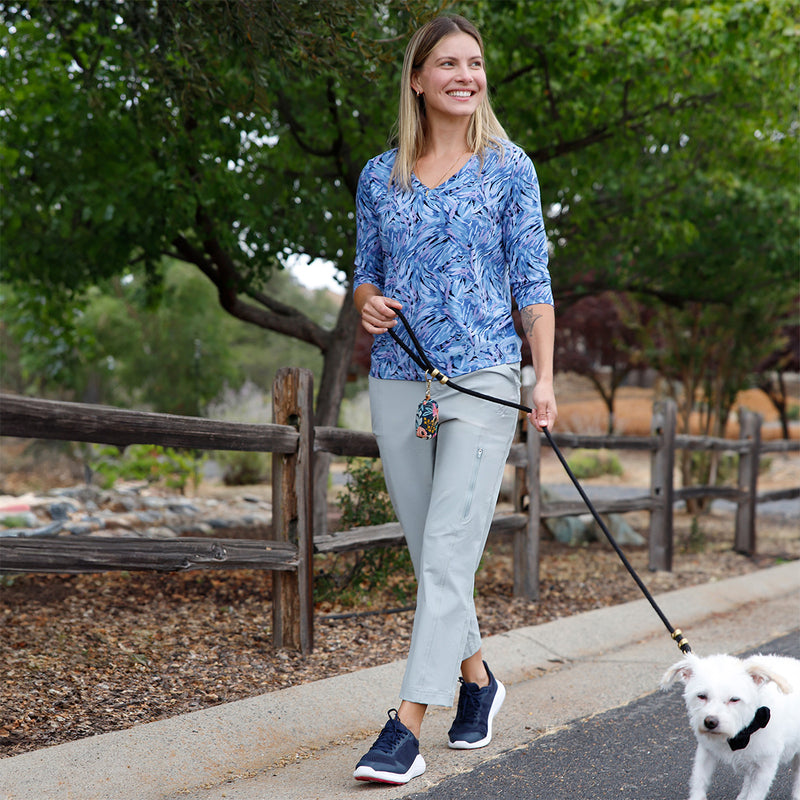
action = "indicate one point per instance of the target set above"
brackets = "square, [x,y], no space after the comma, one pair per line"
[665,135]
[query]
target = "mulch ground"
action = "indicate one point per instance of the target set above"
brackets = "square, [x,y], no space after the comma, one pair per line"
[87,654]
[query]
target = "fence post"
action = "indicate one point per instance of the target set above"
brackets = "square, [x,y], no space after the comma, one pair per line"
[745,534]
[662,467]
[292,511]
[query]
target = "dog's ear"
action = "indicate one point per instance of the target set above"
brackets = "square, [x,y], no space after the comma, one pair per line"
[680,671]
[761,674]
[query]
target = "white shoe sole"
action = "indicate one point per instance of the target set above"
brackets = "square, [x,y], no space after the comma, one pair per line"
[499,697]
[398,779]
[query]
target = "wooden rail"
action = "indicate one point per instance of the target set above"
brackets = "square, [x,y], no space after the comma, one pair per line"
[392,533]
[33,418]
[292,439]
[76,554]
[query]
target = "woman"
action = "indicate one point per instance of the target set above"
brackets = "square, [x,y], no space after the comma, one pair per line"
[449,227]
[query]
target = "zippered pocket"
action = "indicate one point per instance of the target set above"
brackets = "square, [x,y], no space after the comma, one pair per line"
[473,480]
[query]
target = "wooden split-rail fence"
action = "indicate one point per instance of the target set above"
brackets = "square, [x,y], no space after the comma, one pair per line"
[293,440]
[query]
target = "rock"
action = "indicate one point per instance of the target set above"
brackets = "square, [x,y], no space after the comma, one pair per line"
[159,532]
[222,523]
[128,512]
[79,528]
[155,502]
[622,532]
[195,529]
[47,530]
[183,508]
[568,530]
[148,516]
[583,528]
[63,509]
[125,503]
[83,494]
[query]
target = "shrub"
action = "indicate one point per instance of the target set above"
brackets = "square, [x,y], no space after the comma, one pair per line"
[151,463]
[359,577]
[726,470]
[696,539]
[594,463]
[365,500]
[242,468]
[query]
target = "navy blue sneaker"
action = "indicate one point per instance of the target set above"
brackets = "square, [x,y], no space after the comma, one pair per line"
[394,758]
[472,727]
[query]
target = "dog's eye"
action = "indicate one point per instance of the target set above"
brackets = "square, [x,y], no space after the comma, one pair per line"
[734,700]
[702,696]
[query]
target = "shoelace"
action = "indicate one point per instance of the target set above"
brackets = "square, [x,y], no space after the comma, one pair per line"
[469,704]
[391,735]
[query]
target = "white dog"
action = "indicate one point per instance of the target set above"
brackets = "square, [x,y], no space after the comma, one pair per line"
[744,712]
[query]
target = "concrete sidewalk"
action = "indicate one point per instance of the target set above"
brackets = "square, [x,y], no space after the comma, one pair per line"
[302,743]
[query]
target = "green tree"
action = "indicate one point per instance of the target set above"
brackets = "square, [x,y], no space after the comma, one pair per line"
[168,357]
[771,372]
[131,133]
[691,347]
[172,356]
[44,344]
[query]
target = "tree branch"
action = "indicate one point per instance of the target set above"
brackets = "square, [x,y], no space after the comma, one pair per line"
[606,131]
[548,88]
[186,251]
[217,265]
[296,128]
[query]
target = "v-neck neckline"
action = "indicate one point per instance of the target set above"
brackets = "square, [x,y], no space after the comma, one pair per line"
[428,189]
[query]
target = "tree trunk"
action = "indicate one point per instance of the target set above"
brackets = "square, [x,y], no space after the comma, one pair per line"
[338,358]
[336,367]
[778,397]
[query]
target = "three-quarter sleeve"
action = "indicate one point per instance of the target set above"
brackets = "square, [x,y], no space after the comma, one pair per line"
[369,253]
[524,236]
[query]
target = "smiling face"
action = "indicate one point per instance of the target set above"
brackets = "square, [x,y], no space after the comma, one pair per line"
[452,79]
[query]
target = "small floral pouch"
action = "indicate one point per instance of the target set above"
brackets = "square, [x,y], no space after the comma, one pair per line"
[427,421]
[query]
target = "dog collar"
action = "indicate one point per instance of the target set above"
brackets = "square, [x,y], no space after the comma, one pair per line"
[742,739]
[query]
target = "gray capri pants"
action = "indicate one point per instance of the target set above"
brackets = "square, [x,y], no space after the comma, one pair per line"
[444,491]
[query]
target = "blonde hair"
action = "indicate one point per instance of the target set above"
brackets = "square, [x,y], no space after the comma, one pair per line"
[410,129]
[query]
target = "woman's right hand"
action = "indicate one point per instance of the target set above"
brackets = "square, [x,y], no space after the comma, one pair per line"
[377,313]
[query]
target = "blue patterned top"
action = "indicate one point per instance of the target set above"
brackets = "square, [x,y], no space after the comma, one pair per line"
[452,256]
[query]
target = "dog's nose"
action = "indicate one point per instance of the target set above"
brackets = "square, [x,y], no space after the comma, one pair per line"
[711,723]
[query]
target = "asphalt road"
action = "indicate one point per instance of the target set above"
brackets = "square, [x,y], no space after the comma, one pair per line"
[641,751]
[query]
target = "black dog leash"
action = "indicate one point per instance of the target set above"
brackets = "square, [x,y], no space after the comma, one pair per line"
[423,362]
